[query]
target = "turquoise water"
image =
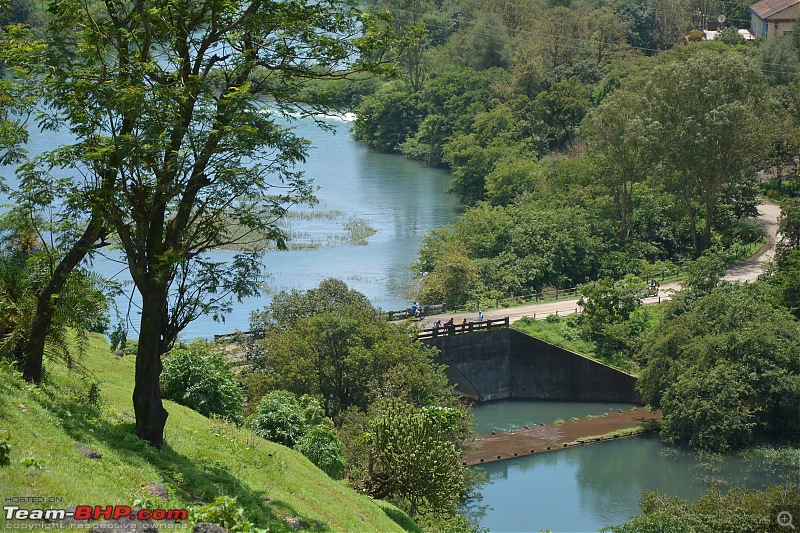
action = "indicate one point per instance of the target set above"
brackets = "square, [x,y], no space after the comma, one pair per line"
[589,487]
[510,414]
[400,199]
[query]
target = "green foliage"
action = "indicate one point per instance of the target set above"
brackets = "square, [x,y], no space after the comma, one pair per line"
[420,123]
[15,12]
[225,512]
[620,143]
[31,462]
[312,410]
[322,446]
[785,278]
[513,250]
[198,376]
[724,368]
[607,313]
[511,179]
[729,35]
[346,355]
[720,130]
[640,18]
[181,151]
[789,223]
[331,296]
[561,109]
[24,269]
[738,510]
[414,459]
[301,425]
[485,42]
[471,163]
[204,458]
[553,319]
[387,118]
[454,278]
[279,418]
[778,51]
[5,448]
[710,410]
[703,274]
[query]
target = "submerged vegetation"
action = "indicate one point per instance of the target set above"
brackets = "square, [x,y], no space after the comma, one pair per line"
[309,230]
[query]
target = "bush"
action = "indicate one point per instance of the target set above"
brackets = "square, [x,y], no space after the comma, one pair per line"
[553,318]
[198,377]
[280,418]
[224,511]
[5,448]
[322,446]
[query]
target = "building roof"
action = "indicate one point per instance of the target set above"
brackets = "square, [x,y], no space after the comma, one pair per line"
[767,8]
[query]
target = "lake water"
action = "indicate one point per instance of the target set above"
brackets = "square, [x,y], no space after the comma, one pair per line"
[400,199]
[578,489]
[589,487]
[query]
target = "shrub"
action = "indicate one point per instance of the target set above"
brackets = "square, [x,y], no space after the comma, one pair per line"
[323,448]
[225,512]
[280,418]
[5,448]
[198,377]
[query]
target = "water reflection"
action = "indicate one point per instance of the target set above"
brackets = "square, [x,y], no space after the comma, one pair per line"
[589,487]
[400,199]
[503,415]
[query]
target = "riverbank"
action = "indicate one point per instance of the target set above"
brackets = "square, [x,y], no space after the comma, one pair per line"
[503,445]
[747,270]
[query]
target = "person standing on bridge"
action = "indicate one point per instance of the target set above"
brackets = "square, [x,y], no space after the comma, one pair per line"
[480,316]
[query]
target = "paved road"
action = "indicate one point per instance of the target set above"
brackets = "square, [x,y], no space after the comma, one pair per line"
[745,271]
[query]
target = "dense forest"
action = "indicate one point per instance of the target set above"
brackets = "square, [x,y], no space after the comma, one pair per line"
[586,139]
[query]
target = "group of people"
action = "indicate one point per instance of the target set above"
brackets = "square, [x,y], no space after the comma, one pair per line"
[447,324]
[450,324]
[653,286]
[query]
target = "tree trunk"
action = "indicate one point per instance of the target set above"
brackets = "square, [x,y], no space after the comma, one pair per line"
[33,348]
[710,203]
[151,417]
[693,228]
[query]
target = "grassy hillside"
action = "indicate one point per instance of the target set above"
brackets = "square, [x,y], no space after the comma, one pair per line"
[201,458]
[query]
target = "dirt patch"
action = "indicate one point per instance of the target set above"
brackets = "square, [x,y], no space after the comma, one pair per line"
[538,439]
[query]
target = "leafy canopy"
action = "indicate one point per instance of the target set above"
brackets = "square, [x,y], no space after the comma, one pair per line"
[724,368]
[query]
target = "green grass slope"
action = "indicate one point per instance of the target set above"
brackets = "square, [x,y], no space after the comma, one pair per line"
[202,458]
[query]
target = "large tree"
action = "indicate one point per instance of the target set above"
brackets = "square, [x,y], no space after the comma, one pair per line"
[330,342]
[724,367]
[620,140]
[174,105]
[709,112]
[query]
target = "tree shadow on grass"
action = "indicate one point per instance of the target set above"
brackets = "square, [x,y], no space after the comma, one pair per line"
[193,480]
[401,519]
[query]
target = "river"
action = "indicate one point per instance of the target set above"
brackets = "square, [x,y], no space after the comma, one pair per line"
[579,489]
[400,200]
[589,487]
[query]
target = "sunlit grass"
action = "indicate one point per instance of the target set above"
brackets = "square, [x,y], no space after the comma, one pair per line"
[201,458]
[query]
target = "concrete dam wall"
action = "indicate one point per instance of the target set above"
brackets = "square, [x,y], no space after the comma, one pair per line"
[505,363]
